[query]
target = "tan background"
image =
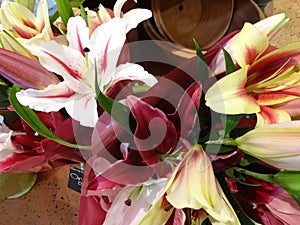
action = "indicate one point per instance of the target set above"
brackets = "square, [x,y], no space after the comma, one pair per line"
[50,202]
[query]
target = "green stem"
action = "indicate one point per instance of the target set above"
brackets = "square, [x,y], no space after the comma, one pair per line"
[264,177]
[227,142]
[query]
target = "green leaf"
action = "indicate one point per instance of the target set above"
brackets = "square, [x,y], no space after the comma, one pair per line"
[201,65]
[54,17]
[115,109]
[76,3]
[247,160]
[230,68]
[262,3]
[290,181]
[198,50]
[229,122]
[65,10]
[83,14]
[14,185]
[30,117]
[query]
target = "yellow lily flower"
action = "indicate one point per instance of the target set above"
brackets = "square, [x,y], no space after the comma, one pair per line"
[22,23]
[193,185]
[263,81]
[275,144]
[10,43]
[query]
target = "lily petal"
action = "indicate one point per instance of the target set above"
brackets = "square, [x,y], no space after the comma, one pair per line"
[268,115]
[106,44]
[269,26]
[20,18]
[229,96]
[276,97]
[42,23]
[272,24]
[284,207]
[282,59]
[62,60]
[157,214]
[249,45]
[78,34]
[154,132]
[55,97]
[275,144]
[133,72]
[196,187]
[118,7]
[135,16]
[120,213]
[291,107]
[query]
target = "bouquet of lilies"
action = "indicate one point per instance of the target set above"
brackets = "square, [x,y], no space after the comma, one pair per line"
[214,141]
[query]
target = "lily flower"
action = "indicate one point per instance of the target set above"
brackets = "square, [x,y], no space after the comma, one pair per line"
[274,144]
[24,72]
[292,107]
[127,205]
[79,64]
[132,17]
[268,26]
[24,151]
[7,41]
[263,80]
[22,23]
[193,185]
[6,147]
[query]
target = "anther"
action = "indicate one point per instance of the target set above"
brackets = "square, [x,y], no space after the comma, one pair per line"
[128,202]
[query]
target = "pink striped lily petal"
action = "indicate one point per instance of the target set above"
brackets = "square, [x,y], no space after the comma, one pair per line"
[78,34]
[24,72]
[106,44]
[62,60]
[55,97]
[284,207]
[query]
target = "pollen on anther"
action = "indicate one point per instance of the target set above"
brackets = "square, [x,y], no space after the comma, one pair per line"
[86,49]
[128,202]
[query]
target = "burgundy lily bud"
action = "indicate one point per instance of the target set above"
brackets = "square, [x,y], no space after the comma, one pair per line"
[24,72]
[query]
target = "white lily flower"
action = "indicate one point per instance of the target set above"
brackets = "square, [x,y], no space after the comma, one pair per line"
[78,64]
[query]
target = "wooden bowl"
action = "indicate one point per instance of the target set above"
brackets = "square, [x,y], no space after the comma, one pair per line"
[184,20]
[244,11]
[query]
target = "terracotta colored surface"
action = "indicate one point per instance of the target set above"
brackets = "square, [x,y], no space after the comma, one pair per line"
[290,33]
[50,202]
